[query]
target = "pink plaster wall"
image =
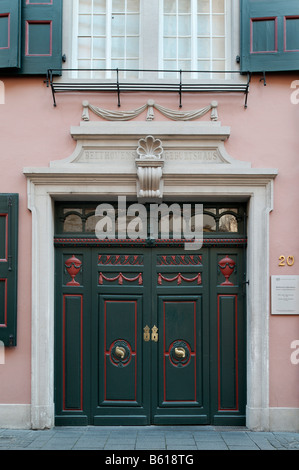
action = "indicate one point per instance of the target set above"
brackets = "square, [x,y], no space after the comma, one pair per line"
[33,132]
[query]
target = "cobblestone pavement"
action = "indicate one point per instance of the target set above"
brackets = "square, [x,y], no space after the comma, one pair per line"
[152,438]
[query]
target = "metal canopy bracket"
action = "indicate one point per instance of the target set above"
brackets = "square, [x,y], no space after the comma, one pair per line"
[180,87]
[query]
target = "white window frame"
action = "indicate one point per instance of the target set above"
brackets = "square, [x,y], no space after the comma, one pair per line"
[150,28]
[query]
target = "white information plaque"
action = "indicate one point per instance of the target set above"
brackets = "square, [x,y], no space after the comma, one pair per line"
[285,295]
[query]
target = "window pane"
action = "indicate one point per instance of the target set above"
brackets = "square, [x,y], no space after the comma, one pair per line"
[184,6]
[90,223]
[203,6]
[169,48]
[118,5]
[132,47]
[98,64]
[84,48]
[117,47]
[203,25]
[218,65]
[117,63]
[184,65]
[203,47]
[209,223]
[228,223]
[218,47]
[99,25]
[84,64]
[226,210]
[132,64]
[84,25]
[170,25]
[184,23]
[85,6]
[184,48]
[73,223]
[218,25]
[169,6]
[118,25]
[218,6]
[99,45]
[203,65]
[99,6]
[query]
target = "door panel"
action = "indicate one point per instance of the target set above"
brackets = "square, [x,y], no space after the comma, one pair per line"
[228,337]
[120,365]
[72,337]
[118,375]
[181,354]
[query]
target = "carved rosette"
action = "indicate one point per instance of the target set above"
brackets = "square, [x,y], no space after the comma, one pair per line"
[149,169]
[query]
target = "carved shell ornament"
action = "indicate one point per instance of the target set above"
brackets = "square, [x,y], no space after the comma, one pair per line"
[149,147]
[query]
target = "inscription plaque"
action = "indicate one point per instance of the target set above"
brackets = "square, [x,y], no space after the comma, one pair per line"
[285,295]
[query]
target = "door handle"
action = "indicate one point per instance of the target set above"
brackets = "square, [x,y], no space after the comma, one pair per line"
[120,351]
[155,335]
[180,352]
[146,333]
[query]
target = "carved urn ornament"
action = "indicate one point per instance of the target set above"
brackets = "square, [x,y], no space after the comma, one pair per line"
[73,266]
[149,169]
[227,266]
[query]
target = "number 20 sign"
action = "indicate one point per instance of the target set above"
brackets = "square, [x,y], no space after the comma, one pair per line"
[289,260]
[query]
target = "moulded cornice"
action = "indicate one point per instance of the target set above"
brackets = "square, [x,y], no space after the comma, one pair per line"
[232,176]
[125,130]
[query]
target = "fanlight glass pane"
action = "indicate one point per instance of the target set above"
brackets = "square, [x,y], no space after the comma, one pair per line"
[228,223]
[73,223]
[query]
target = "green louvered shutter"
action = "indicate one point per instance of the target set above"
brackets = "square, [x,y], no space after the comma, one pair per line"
[10,17]
[8,268]
[269,35]
[41,36]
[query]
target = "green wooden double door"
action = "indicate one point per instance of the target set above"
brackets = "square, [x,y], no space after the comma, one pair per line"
[149,336]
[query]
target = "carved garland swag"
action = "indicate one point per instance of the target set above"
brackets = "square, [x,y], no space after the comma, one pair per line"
[149,106]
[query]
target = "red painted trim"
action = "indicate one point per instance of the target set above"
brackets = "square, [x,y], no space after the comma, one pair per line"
[143,242]
[122,260]
[28,2]
[8,39]
[63,353]
[285,33]
[4,325]
[107,351]
[219,355]
[185,260]
[27,38]
[252,20]
[6,238]
[166,353]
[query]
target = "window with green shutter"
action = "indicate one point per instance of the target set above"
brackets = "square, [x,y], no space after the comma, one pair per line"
[30,35]
[269,35]
[8,268]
